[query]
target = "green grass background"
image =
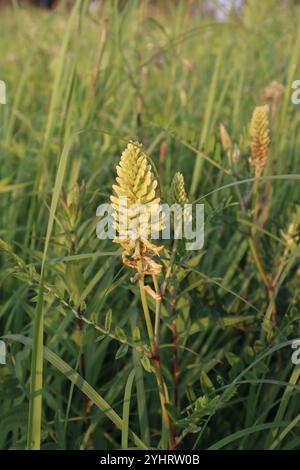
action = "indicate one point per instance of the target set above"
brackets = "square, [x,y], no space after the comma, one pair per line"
[73,82]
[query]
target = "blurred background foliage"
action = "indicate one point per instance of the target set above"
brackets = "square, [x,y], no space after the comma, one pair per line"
[82,79]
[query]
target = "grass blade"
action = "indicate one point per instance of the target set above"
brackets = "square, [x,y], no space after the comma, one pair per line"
[36,383]
[84,386]
[126,409]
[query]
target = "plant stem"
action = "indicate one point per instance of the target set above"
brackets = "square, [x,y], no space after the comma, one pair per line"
[174,328]
[262,272]
[176,370]
[265,211]
[258,260]
[156,363]
[160,296]
[83,372]
[161,293]
[158,305]
[146,314]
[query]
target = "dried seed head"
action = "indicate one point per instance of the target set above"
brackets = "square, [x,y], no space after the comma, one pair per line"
[260,138]
[225,138]
[273,91]
[178,193]
[136,183]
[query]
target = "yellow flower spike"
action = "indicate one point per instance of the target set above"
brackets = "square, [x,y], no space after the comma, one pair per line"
[225,138]
[136,182]
[260,138]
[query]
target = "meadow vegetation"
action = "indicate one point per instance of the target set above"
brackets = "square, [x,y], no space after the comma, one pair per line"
[83,368]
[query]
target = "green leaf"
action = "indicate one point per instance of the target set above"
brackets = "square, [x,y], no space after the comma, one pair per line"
[120,334]
[145,361]
[100,338]
[206,384]
[229,393]
[232,359]
[108,320]
[74,280]
[136,335]
[123,349]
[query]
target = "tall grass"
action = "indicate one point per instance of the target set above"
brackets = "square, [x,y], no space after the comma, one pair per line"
[80,85]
